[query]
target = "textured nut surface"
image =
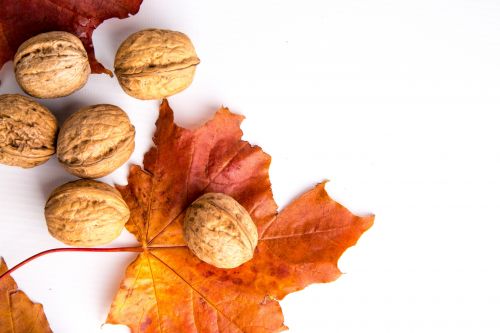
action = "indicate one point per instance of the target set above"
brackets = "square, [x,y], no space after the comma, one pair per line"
[95,141]
[52,64]
[219,231]
[154,63]
[85,213]
[27,132]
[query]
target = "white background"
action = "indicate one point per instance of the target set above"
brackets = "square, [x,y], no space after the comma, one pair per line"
[394,101]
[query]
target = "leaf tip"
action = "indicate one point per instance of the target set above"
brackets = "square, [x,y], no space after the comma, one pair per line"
[166,111]
[368,221]
[322,184]
[225,111]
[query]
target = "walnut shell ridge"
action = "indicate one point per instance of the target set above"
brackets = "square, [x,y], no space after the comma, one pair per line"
[52,64]
[155,63]
[219,231]
[95,141]
[27,132]
[86,213]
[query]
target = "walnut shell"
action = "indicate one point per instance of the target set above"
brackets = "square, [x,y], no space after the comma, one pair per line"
[154,63]
[219,231]
[86,213]
[52,64]
[27,132]
[95,141]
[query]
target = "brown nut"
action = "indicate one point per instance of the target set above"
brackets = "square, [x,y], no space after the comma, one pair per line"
[219,231]
[27,132]
[154,63]
[86,213]
[52,64]
[95,141]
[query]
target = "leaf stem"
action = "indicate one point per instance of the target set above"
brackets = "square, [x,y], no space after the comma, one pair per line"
[72,249]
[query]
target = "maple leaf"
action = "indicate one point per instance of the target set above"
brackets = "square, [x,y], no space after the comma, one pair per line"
[23,19]
[18,314]
[168,289]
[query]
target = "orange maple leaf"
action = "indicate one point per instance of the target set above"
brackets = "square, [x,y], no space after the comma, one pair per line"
[168,289]
[18,314]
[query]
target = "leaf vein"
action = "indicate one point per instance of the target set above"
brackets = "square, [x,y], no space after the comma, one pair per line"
[198,292]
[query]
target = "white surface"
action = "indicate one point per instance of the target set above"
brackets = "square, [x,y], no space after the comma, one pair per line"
[395,101]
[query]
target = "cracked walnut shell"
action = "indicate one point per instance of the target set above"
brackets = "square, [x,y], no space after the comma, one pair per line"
[155,63]
[52,64]
[86,213]
[27,132]
[95,141]
[219,231]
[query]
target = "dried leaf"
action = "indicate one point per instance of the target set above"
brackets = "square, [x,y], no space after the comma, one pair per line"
[18,314]
[168,289]
[23,19]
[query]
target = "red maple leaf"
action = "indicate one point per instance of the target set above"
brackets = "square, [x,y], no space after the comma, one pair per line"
[23,19]
[168,289]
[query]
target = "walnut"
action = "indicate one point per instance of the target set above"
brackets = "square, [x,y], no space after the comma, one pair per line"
[86,213]
[154,63]
[219,231]
[27,132]
[95,141]
[52,64]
